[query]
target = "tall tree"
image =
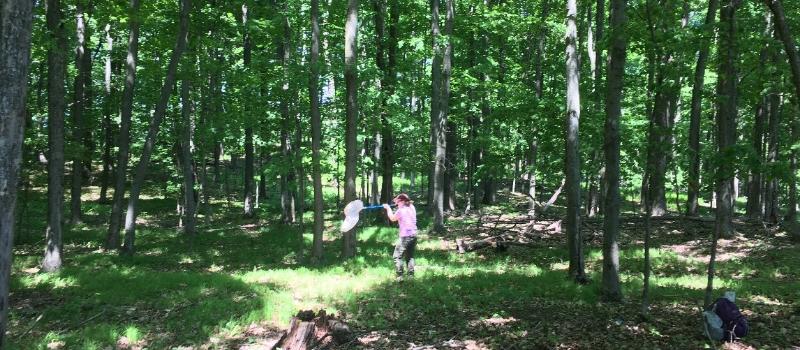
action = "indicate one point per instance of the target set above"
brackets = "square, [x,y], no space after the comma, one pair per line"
[436,85]
[316,131]
[441,86]
[152,131]
[755,184]
[389,82]
[56,73]
[445,142]
[351,123]
[110,91]
[782,29]
[693,178]
[615,75]
[726,129]
[572,159]
[15,43]
[186,134]
[249,180]
[124,137]
[83,81]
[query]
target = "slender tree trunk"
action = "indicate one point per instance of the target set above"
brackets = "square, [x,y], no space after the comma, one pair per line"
[152,132]
[56,74]
[249,185]
[693,178]
[726,128]
[300,183]
[771,191]
[15,43]
[380,61]
[533,148]
[83,78]
[615,78]
[351,124]
[436,86]
[287,146]
[108,110]
[572,161]
[450,175]
[316,132]
[754,194]
[123,139]
[390,80]
[187,156]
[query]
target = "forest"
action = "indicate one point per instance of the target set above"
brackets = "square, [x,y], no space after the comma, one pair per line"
[181,174]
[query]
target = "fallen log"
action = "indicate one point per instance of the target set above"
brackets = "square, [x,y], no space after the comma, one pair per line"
[469,246]
[308,330]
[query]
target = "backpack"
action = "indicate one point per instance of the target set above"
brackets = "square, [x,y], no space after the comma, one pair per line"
[733,322]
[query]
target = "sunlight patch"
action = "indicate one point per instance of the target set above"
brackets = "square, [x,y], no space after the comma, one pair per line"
[765,300]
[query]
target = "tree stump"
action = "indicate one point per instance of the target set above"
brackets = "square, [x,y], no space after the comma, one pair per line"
[308,330]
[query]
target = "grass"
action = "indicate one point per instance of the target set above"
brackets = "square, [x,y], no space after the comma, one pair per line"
[237,273]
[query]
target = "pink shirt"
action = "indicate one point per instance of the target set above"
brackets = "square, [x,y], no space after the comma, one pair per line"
[407,220]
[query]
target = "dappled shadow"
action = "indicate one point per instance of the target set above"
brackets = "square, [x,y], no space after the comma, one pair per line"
[507,310]
[110,307]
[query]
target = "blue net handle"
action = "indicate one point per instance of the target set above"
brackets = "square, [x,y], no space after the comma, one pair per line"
[376,206]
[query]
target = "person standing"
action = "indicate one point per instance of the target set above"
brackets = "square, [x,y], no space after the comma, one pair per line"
[406,217]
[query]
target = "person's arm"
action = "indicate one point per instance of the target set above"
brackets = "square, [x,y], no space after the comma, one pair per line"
[392,216]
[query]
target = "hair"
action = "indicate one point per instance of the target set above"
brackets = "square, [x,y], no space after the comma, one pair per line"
[403,197]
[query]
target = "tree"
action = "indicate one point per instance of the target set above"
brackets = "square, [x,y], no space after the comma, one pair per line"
[124,137]
[152,132]
[56,74]
[782,29]
[187,152]
[83,82]
[572,159]
[15,43]
[110,91]
[614,79]
[316,131]
[693,178]
[725,119]
[441,86]
[351,123]
[249,180]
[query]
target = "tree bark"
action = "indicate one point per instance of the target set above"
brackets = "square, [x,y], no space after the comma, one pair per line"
[693,178]
[726,128]
[152,132]
[15,43]
[351,124]
[287,171]
[436,86]
[83,65]
[56,74]
[572,161]
[249,184]
[316,132]
[108,110]
[773,102]
[187,156]
[390,80]
[123,139]
[612,290]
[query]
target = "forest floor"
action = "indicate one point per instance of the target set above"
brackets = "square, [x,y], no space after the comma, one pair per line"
[239,282]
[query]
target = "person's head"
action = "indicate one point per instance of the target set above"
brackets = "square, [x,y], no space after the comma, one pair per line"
[402,200]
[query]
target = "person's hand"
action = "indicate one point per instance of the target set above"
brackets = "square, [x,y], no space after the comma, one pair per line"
[387,207]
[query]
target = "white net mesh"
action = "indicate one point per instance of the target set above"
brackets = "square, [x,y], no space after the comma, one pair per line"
[351,211]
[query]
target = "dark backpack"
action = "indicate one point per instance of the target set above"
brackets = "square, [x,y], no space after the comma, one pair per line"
[733,322]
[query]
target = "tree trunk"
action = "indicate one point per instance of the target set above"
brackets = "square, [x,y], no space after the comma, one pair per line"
[450,176]
[693,178]
[726,128]
[755,183]
[249,185]
[390,80]
[83,66]
[15,43]
[436,86]
[771,191]
[615,78]
[782,29]
[533,148]
[351,124]
[56,74]
[108,111]
[187,156]
[123,139]
[572,161]
[316,132]
[152,132]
